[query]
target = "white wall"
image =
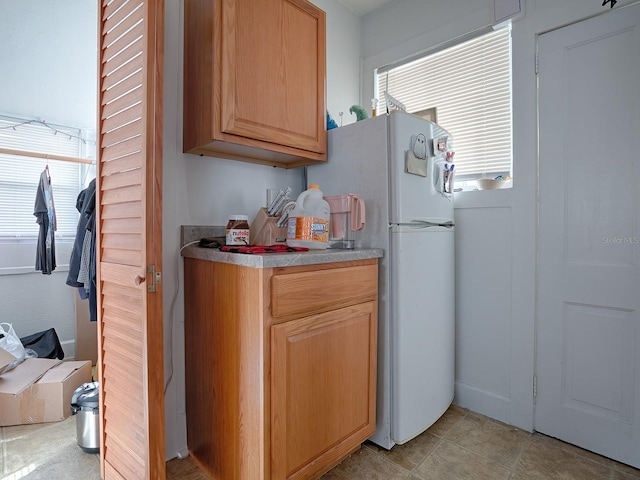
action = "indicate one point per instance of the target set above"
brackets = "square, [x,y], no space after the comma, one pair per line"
[49,58]
[204,191]
[496,230]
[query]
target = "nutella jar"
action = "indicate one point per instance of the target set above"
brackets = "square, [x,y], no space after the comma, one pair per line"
[238,230]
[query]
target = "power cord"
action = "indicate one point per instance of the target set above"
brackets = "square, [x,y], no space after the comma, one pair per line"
[171,312]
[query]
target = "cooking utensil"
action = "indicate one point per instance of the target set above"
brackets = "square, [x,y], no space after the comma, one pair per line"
[281,202]
[276,200]
[284,218]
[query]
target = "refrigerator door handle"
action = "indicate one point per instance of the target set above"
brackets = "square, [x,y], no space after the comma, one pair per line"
[425,224]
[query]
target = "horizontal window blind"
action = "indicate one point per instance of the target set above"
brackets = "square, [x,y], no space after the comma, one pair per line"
[20,175]
[469,85]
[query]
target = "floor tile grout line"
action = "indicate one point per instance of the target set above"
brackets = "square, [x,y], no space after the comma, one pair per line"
[522,451]
[478,454]
[440,440]
[446,436]
[384,458]
[576,452]
[466,412]
[413,471]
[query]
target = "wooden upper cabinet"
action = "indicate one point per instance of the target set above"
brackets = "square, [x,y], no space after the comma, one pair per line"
[255,81]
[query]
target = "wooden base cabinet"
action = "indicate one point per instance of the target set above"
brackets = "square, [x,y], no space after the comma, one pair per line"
[281,366]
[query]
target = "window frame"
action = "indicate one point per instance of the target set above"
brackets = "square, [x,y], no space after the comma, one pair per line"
[495,161]
[69,177]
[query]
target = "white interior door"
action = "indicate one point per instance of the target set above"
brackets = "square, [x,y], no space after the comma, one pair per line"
[588,329]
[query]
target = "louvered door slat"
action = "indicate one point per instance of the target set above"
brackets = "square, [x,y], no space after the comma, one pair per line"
[120,156]
[112,474]
[129,239]
[121,134]
[120,29]
[125,179]
[122,118]
[129,68]
[126,85]
[134,362]
[121,316]
[123,293]
[122,210]
[117,449]
[113,18]
[121,225]
[121,195]
[111,8]
[126,257]
[121,242]
[123,319]
[123,377]
[134,98]
[121,48]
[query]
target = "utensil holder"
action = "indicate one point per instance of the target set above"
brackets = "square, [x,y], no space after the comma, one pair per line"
[264,231]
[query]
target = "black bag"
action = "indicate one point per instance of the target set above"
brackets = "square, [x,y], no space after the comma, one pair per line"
[46,344]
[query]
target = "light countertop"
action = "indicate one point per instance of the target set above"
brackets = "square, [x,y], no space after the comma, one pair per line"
[193,233]
[287,259]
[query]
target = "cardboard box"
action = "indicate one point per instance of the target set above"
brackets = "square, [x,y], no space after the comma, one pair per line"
[86,331]
[5,359]
[39,390]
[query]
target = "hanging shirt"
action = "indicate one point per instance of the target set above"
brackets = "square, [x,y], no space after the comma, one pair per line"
[45,214]
[82,266]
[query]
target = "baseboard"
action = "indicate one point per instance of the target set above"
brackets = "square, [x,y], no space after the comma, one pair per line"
[69,348]
[484,402]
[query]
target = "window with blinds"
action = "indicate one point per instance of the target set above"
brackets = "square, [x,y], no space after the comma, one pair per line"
[469,86]
[20,175]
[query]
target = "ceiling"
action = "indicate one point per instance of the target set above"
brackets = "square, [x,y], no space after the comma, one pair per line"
[362,7]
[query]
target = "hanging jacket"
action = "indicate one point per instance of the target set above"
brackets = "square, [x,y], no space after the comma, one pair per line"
[45,214]
[86,284]
[85,204]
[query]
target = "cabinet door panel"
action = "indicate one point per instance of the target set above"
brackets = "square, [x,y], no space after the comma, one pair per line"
[273,72]
[323,389]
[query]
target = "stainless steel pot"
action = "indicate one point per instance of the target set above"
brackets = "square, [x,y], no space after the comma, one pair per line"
[84,405]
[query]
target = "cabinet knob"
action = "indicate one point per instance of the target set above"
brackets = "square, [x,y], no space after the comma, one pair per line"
[139,280]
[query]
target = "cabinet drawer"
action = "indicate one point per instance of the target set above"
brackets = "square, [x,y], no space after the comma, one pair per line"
[317,291]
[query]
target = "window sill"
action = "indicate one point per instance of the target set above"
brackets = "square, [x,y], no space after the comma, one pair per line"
[17,257]
[483,198]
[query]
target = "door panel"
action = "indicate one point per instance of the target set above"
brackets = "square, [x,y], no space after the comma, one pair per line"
[128,238]
[264,74]
[588,332]
[322,389]
[423,335]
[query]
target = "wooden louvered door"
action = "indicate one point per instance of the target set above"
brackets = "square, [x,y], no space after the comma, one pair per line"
[129,238]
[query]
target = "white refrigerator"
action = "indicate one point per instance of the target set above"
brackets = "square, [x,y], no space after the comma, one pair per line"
[398,164]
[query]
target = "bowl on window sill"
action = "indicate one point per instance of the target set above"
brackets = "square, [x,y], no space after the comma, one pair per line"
[491,183]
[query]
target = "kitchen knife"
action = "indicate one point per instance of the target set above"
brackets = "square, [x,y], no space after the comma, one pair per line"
[276,201]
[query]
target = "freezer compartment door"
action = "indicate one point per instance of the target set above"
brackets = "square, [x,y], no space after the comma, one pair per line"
[414,195]
[422,329]
[357,164]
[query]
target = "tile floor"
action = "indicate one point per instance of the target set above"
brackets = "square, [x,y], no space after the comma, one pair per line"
[461,445]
